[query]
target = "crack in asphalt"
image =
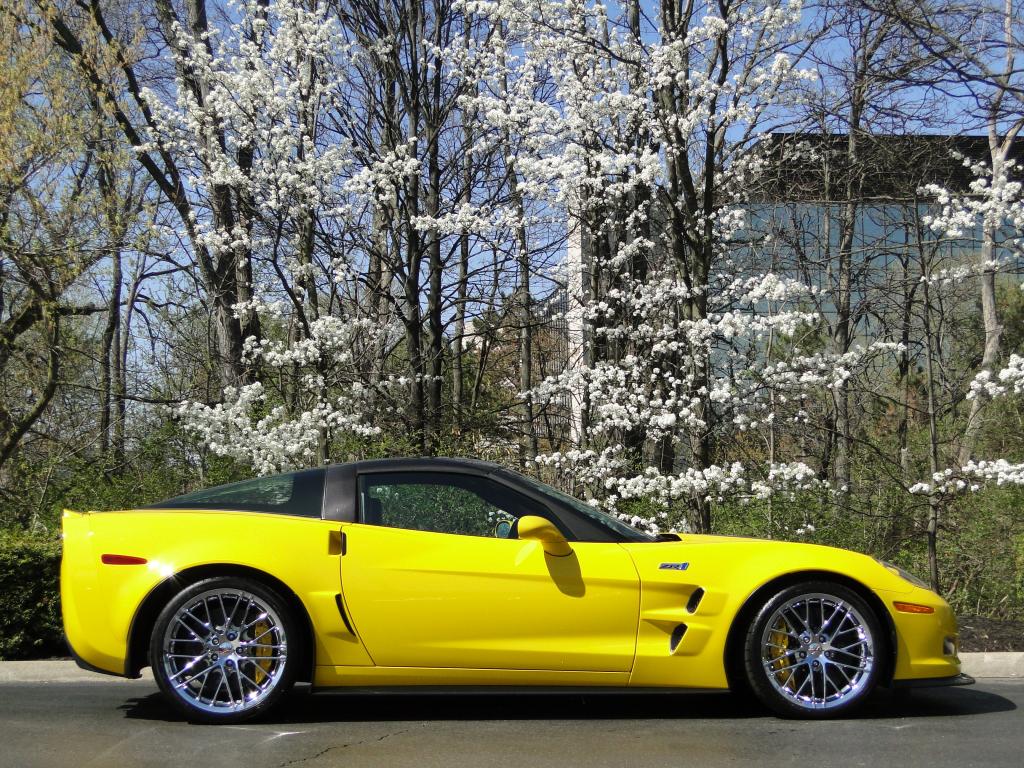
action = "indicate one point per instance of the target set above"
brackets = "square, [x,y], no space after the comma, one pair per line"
[333,747]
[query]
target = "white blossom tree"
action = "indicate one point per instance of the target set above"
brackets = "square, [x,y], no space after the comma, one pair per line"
[644,135]
[246,121]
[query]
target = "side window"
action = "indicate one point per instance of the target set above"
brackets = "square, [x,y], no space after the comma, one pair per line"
[296,493]
[443,503]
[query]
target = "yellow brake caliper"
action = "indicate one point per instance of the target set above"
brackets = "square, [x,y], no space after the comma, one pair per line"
[781,663]
[261,630]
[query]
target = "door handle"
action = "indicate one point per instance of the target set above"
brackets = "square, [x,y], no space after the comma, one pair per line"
[337,543]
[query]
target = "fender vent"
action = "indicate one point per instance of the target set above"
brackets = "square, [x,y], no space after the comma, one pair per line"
[695,598]
[344,616]
[677,637]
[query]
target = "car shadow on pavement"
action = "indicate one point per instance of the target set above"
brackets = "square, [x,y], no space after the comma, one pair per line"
[302,707]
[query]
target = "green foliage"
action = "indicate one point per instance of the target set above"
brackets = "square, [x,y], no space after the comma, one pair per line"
[438,508]
[162,464]
[30,621]
[981,543]
[980,553]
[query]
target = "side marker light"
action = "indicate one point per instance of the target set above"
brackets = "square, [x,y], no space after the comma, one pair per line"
[122,560]
[913,608]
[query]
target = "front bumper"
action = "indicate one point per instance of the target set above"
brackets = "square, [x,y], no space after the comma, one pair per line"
[934,682]
[926,643]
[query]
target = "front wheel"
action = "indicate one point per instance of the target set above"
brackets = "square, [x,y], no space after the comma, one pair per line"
[814,650]
[220,650]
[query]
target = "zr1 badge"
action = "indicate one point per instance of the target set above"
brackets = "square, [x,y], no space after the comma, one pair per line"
[673,566]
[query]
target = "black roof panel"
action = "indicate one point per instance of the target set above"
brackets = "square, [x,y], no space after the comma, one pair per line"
[424,463]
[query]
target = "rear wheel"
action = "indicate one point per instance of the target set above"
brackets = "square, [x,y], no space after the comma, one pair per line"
[220,650]
[814,650]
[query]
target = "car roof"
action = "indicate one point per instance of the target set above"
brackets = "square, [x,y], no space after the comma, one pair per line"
[425,463]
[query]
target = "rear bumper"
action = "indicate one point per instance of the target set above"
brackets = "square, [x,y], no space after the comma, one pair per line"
[92,667]
[86,599]
[934,682]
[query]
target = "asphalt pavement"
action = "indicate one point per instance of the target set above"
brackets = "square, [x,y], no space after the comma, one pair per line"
[126,724]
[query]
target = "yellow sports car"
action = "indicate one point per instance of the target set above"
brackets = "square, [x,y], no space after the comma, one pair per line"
[451,572]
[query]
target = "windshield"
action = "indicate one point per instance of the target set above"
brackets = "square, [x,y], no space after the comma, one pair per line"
[628,532]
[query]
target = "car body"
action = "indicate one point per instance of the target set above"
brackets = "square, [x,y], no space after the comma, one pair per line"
[455,572]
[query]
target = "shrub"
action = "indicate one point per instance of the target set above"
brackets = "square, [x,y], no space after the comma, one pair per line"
[30,622]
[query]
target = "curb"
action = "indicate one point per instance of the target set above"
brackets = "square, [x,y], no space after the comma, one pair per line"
[1003,664]
[980,665]
[57,671]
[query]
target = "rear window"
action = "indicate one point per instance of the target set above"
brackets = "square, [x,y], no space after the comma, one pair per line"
[296,493]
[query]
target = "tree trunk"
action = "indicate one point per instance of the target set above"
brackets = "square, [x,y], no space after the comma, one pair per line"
[989,311]
[12,430]
[432,130]
[109,353]
[461,288]
[934,502]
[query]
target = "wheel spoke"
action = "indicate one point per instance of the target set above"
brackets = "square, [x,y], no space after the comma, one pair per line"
[204,672]
[241,688]
[801,688]
[245,613]
[779,658]
[220,684]
[842,665]
[796,616]
[188,628]
[261,645]
[846,648]
[255,621]
[256,686]
[234,609]
[223,611]
[262,634]
[827,680]
[839,668]
[835,612]
[187,667]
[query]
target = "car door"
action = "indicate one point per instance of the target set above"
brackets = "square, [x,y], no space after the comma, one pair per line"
[430,581]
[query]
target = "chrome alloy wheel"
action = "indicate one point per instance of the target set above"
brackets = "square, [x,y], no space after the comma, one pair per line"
[818,651]
[224,651]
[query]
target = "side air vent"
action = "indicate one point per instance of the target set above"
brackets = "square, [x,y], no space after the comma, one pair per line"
[341,610]
[695,598]
[677,637]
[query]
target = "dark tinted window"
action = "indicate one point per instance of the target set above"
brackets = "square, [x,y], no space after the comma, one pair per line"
[443,503]
[618,528]
[297,493]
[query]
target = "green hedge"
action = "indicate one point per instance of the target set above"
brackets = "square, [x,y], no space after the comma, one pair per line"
[30,623]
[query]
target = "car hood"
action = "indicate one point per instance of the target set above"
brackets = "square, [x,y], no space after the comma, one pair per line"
[750,561]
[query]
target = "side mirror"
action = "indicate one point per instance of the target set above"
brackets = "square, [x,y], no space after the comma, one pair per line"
[534,528]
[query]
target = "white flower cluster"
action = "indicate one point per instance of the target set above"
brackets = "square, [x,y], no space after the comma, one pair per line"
[332,398]
[270,440]
[993,201]
[1009,379]
[971,477]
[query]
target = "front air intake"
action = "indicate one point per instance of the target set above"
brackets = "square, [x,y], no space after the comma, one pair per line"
[677,637]
[695,598]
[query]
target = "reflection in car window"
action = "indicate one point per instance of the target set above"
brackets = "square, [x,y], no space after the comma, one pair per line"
[296,493]
[442,503]
[627,532]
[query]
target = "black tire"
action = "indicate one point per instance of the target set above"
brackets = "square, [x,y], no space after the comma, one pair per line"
[215,667]
[814,650]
